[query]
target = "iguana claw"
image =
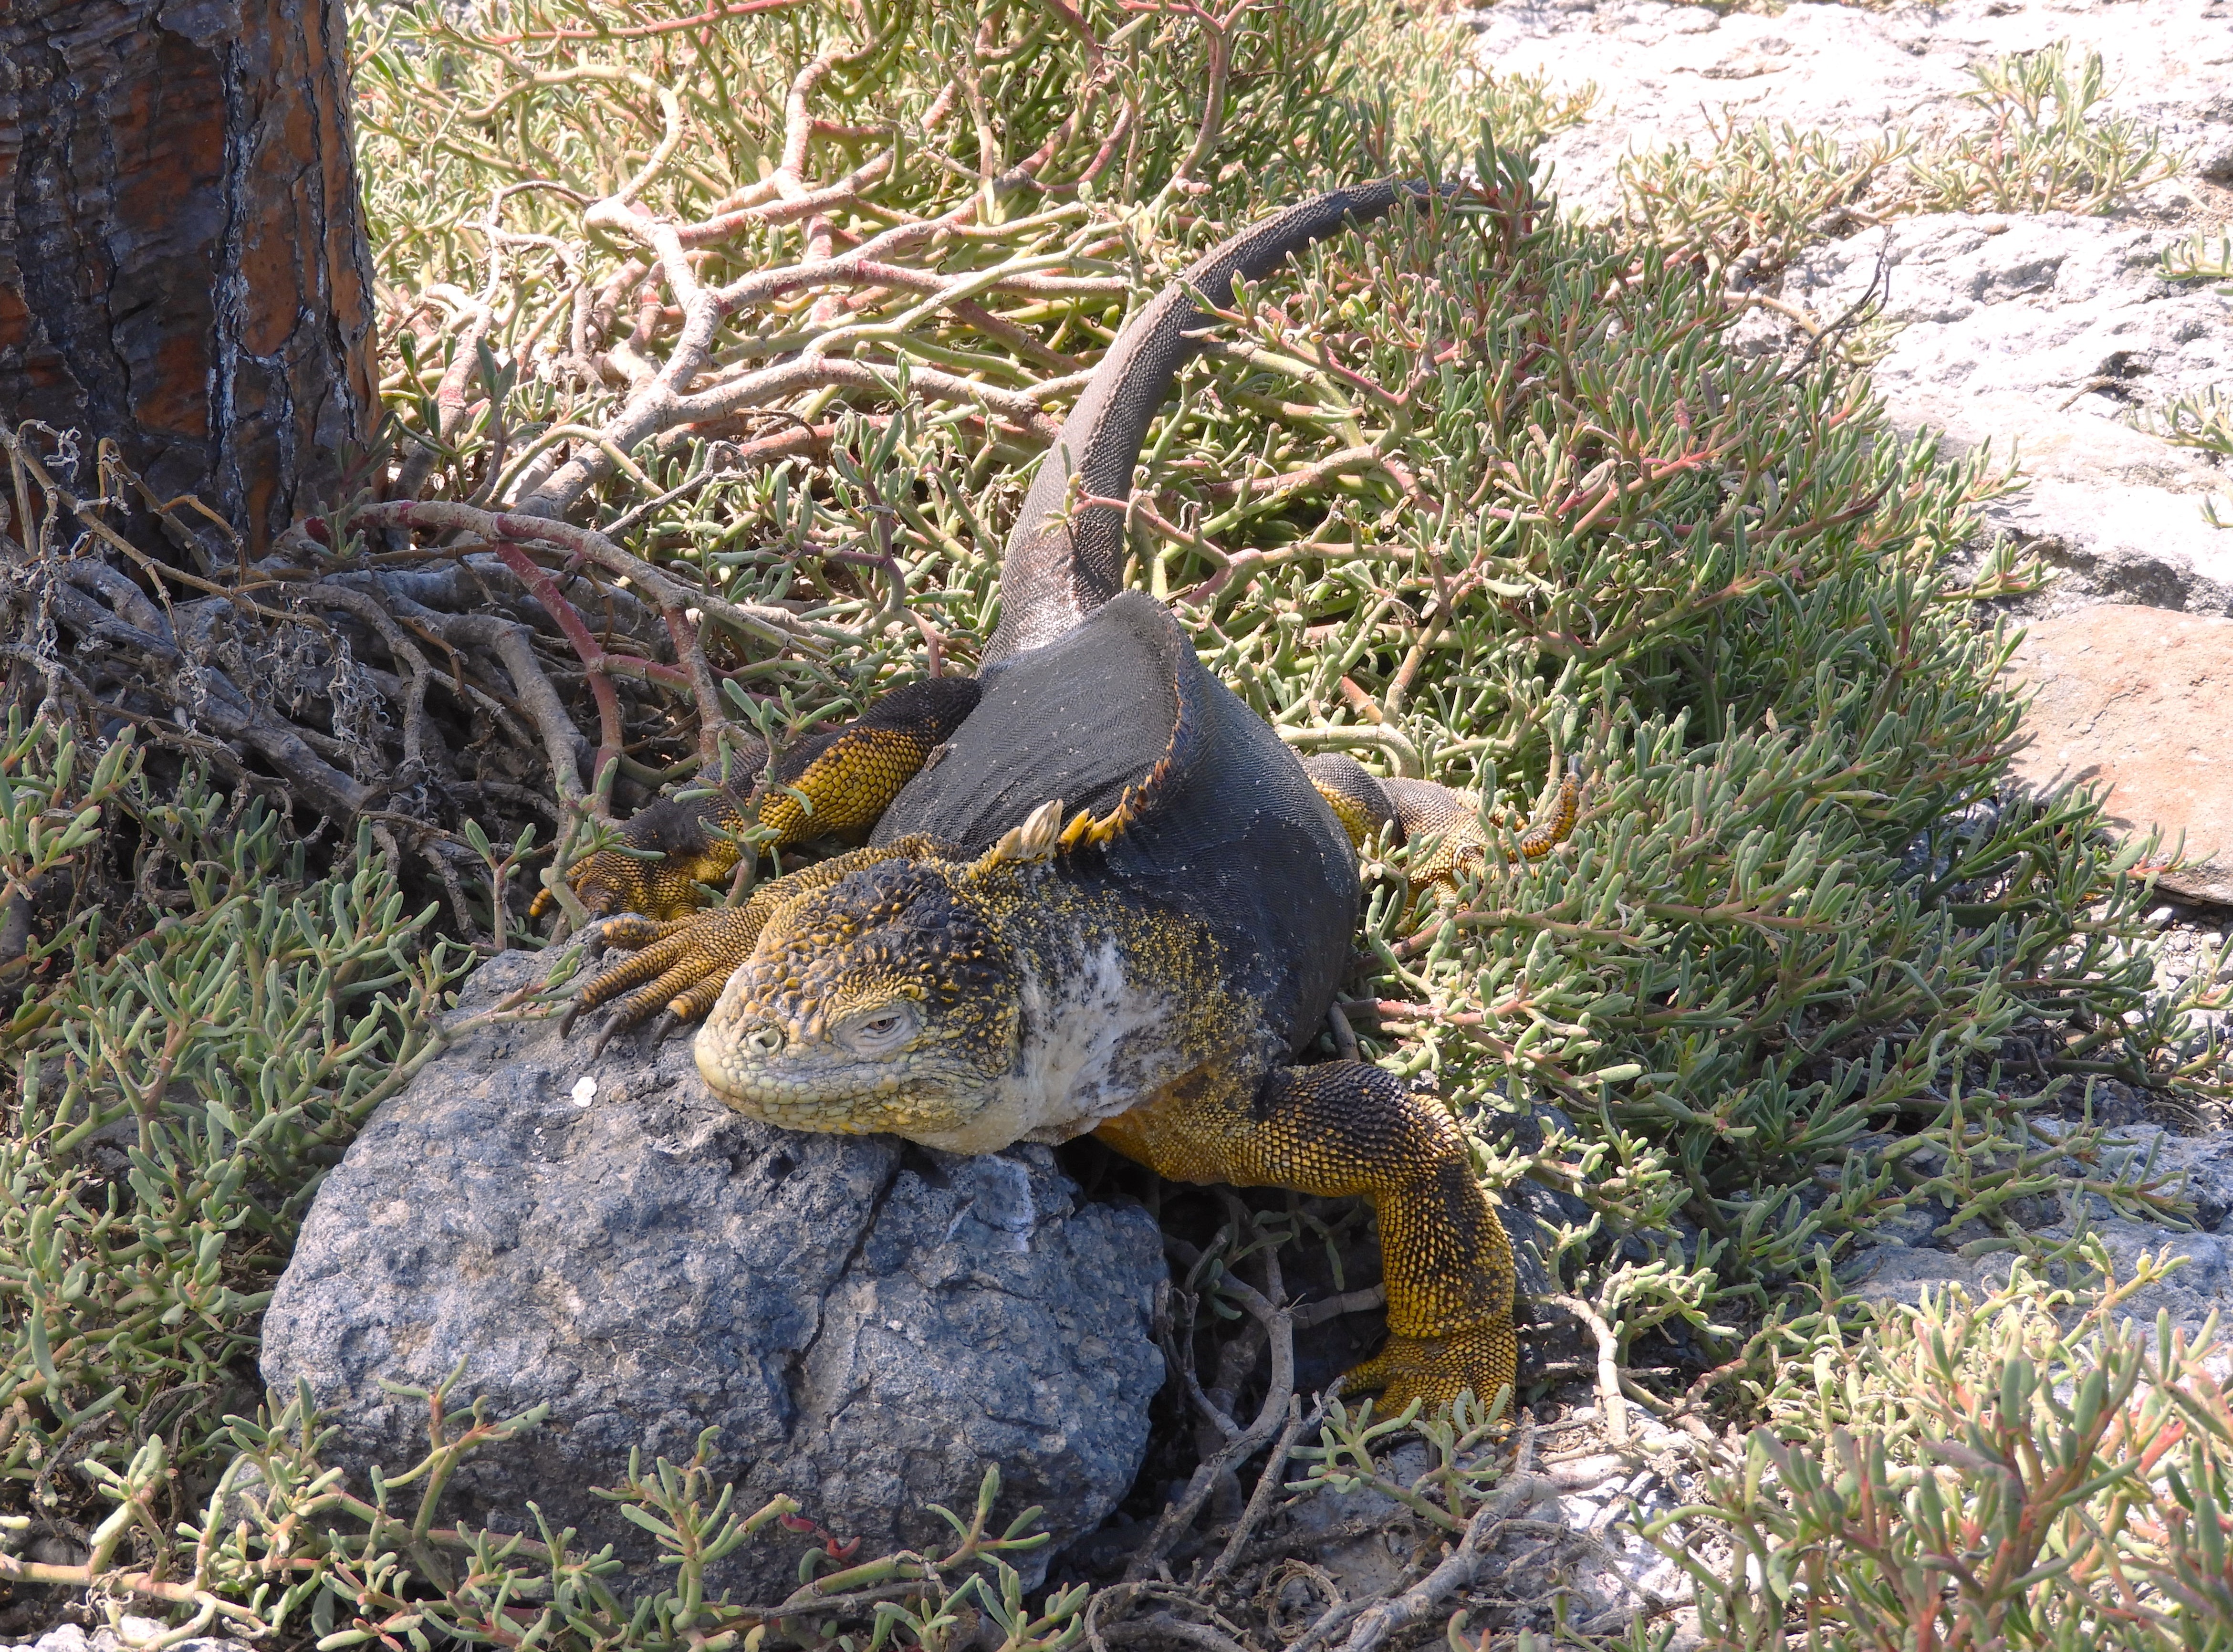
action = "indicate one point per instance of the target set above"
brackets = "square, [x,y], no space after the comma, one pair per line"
[1436,1369]
[680,965]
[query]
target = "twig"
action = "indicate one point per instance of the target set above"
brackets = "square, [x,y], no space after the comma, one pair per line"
[562,741]
[1269,1484]
[611,736]
[1456,1573]
[1172,1627]
[1179,1514]
[417,731]
[450,393]
[1345,1035]
[1609,1393]
[1363,1300]
[1822,337]
[221,705]
[665,26]
[755,620]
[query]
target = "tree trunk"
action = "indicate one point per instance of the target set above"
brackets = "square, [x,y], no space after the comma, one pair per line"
[182,255]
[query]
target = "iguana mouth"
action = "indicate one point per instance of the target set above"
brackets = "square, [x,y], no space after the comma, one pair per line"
[807,1082]
[834,1095]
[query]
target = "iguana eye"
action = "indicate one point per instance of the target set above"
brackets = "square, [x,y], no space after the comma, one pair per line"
[886,1027]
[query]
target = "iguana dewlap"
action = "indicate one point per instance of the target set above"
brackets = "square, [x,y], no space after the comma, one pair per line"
[1110,900]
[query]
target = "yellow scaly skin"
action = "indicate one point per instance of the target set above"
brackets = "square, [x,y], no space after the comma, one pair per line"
[916,1001]
[1420,810]
[925,997]
[837,784]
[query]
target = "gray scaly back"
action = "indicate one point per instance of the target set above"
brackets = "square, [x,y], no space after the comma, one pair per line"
[1059,569]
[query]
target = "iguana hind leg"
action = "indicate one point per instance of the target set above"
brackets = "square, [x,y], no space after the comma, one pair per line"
[835,782]
[1421,810]
[1349,1127]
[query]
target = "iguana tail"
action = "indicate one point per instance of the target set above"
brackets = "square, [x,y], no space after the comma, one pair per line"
[1059,569]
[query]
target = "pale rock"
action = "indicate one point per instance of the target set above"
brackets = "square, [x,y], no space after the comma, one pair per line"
[1670,74]
[2139,700]
[137,1632]
[2041,339]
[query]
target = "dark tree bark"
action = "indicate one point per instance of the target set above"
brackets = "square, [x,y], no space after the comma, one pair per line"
[182,256]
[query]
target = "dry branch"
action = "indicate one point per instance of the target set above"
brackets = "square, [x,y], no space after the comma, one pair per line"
[1458,1572]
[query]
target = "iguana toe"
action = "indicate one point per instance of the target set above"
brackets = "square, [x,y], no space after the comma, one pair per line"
[609,882]
[1435,1370]
[679,967]
[664,854]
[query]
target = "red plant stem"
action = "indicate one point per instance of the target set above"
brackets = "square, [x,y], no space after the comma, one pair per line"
[934,641]
[609,736]
[650,671]
[682,630]
[637,31]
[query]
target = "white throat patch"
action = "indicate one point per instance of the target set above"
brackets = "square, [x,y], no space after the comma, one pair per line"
[1091,1051]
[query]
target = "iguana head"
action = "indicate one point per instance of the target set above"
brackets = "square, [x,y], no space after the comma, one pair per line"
[884,1001]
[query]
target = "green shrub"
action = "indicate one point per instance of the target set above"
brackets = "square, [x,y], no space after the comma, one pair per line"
[1760,194]
[2011,1473]
[2204,418]
[1477,493]
[177,1091]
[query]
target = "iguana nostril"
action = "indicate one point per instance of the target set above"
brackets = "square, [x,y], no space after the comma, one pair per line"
[764,1041]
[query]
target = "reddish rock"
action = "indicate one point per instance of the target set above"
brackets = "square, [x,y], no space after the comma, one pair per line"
[2140,699]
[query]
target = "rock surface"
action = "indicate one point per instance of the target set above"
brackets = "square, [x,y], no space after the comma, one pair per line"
[2040,337]
[1910,1256]
[141,1631]
[871,1325]
[2140,700]
[2047,340]
[1667,75]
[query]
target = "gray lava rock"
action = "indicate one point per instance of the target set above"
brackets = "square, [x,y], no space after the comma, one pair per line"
[1904,1260]
[871,1325]
[2201,1288]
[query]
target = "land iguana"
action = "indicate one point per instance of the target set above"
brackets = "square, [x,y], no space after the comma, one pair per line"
[1100,895]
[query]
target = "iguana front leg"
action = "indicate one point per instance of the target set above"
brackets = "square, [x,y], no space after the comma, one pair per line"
[847,777]
[680,965]
[1346,1127]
